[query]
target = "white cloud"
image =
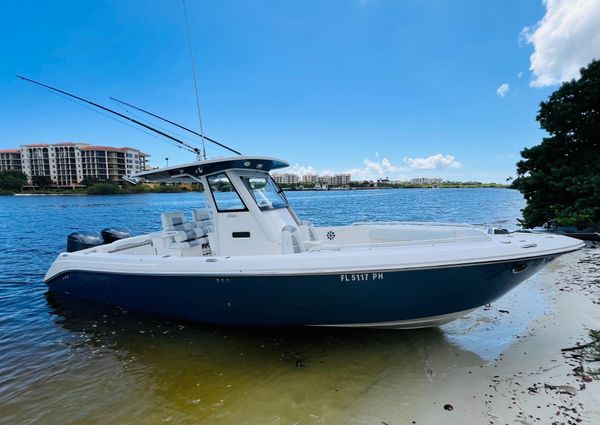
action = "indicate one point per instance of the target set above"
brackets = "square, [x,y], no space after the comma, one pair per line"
[433,162]
[301,170]
[379,168]
[566,39]
[503,89]
[371,170]
[520,75]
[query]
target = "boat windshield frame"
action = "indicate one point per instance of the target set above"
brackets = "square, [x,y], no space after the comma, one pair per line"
[271,187]
[234,190]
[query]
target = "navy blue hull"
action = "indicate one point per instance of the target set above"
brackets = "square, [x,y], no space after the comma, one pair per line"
[357,298]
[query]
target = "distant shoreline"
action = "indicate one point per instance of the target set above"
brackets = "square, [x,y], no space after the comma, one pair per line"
[71,193]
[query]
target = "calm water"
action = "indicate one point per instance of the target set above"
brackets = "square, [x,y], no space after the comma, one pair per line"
[76,362]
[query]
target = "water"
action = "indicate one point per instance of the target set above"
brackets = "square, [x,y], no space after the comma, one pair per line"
[76,362]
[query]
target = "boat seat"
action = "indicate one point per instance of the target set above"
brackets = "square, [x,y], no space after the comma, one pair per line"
[202,218]
[291,240]
[175,221]
[179,234]
[309,235]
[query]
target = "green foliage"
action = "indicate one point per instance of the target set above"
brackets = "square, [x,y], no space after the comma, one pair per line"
[89,181]
[12,181]
[560,178]
[167,188]
[42,182]
[109,188]
[103,189]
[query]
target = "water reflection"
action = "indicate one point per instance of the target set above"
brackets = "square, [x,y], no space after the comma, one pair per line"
[177,370]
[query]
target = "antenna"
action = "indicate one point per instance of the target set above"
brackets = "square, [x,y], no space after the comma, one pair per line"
[175,124]
[187,27]
[104,108]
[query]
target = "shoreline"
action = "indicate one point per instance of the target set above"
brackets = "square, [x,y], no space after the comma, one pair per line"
[532,380]
[285,190]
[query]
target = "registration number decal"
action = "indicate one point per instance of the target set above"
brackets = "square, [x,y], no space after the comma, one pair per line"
[361,277]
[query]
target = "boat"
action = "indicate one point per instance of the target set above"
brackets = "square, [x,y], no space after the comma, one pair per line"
[247,259]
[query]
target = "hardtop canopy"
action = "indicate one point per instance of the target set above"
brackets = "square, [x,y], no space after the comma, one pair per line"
[192,171]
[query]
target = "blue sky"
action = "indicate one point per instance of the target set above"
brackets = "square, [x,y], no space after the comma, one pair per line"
[380,87]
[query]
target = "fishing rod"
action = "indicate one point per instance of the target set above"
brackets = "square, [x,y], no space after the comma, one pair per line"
[175,124]
[104,108]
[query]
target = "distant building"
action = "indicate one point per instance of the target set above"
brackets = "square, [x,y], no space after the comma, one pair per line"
[425,180]
[310,178]
[340,179]
[68,164]
[10,160]
[336,180]
[286,178]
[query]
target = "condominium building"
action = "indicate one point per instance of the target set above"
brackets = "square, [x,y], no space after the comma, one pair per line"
[10,160]
[340,179]
[425,180]
[335,180]
[310,178]
[68,164]
[286,178]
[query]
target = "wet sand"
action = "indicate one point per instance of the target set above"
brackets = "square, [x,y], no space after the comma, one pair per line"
[499,365]
[530,380]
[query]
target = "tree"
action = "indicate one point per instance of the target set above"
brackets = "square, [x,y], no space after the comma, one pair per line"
[43,182]
[103,189]
[560,178]
[89,180]
[12,181]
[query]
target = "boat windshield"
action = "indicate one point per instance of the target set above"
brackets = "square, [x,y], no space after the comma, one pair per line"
[266,193]
[225,196]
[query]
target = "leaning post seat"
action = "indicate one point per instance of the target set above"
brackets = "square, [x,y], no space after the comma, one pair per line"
[202,218]
[175,221]
[182,234]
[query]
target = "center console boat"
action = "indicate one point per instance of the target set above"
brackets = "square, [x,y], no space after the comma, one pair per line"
[246,259]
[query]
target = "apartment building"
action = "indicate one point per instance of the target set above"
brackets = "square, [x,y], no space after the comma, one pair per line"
[425,180]
[10,160]
[335,180]
[310,178]
[68,164]
[339,179]
[286,178]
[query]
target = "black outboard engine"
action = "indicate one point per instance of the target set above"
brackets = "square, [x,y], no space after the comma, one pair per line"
[84,239]
[111,234]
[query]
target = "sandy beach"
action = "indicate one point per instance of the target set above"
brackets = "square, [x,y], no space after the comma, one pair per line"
[524,378]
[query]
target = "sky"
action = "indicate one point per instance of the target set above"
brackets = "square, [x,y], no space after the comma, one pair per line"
[378,88]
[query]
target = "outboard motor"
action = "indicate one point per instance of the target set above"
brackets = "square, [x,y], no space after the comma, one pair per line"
[77,241]
[111,234]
